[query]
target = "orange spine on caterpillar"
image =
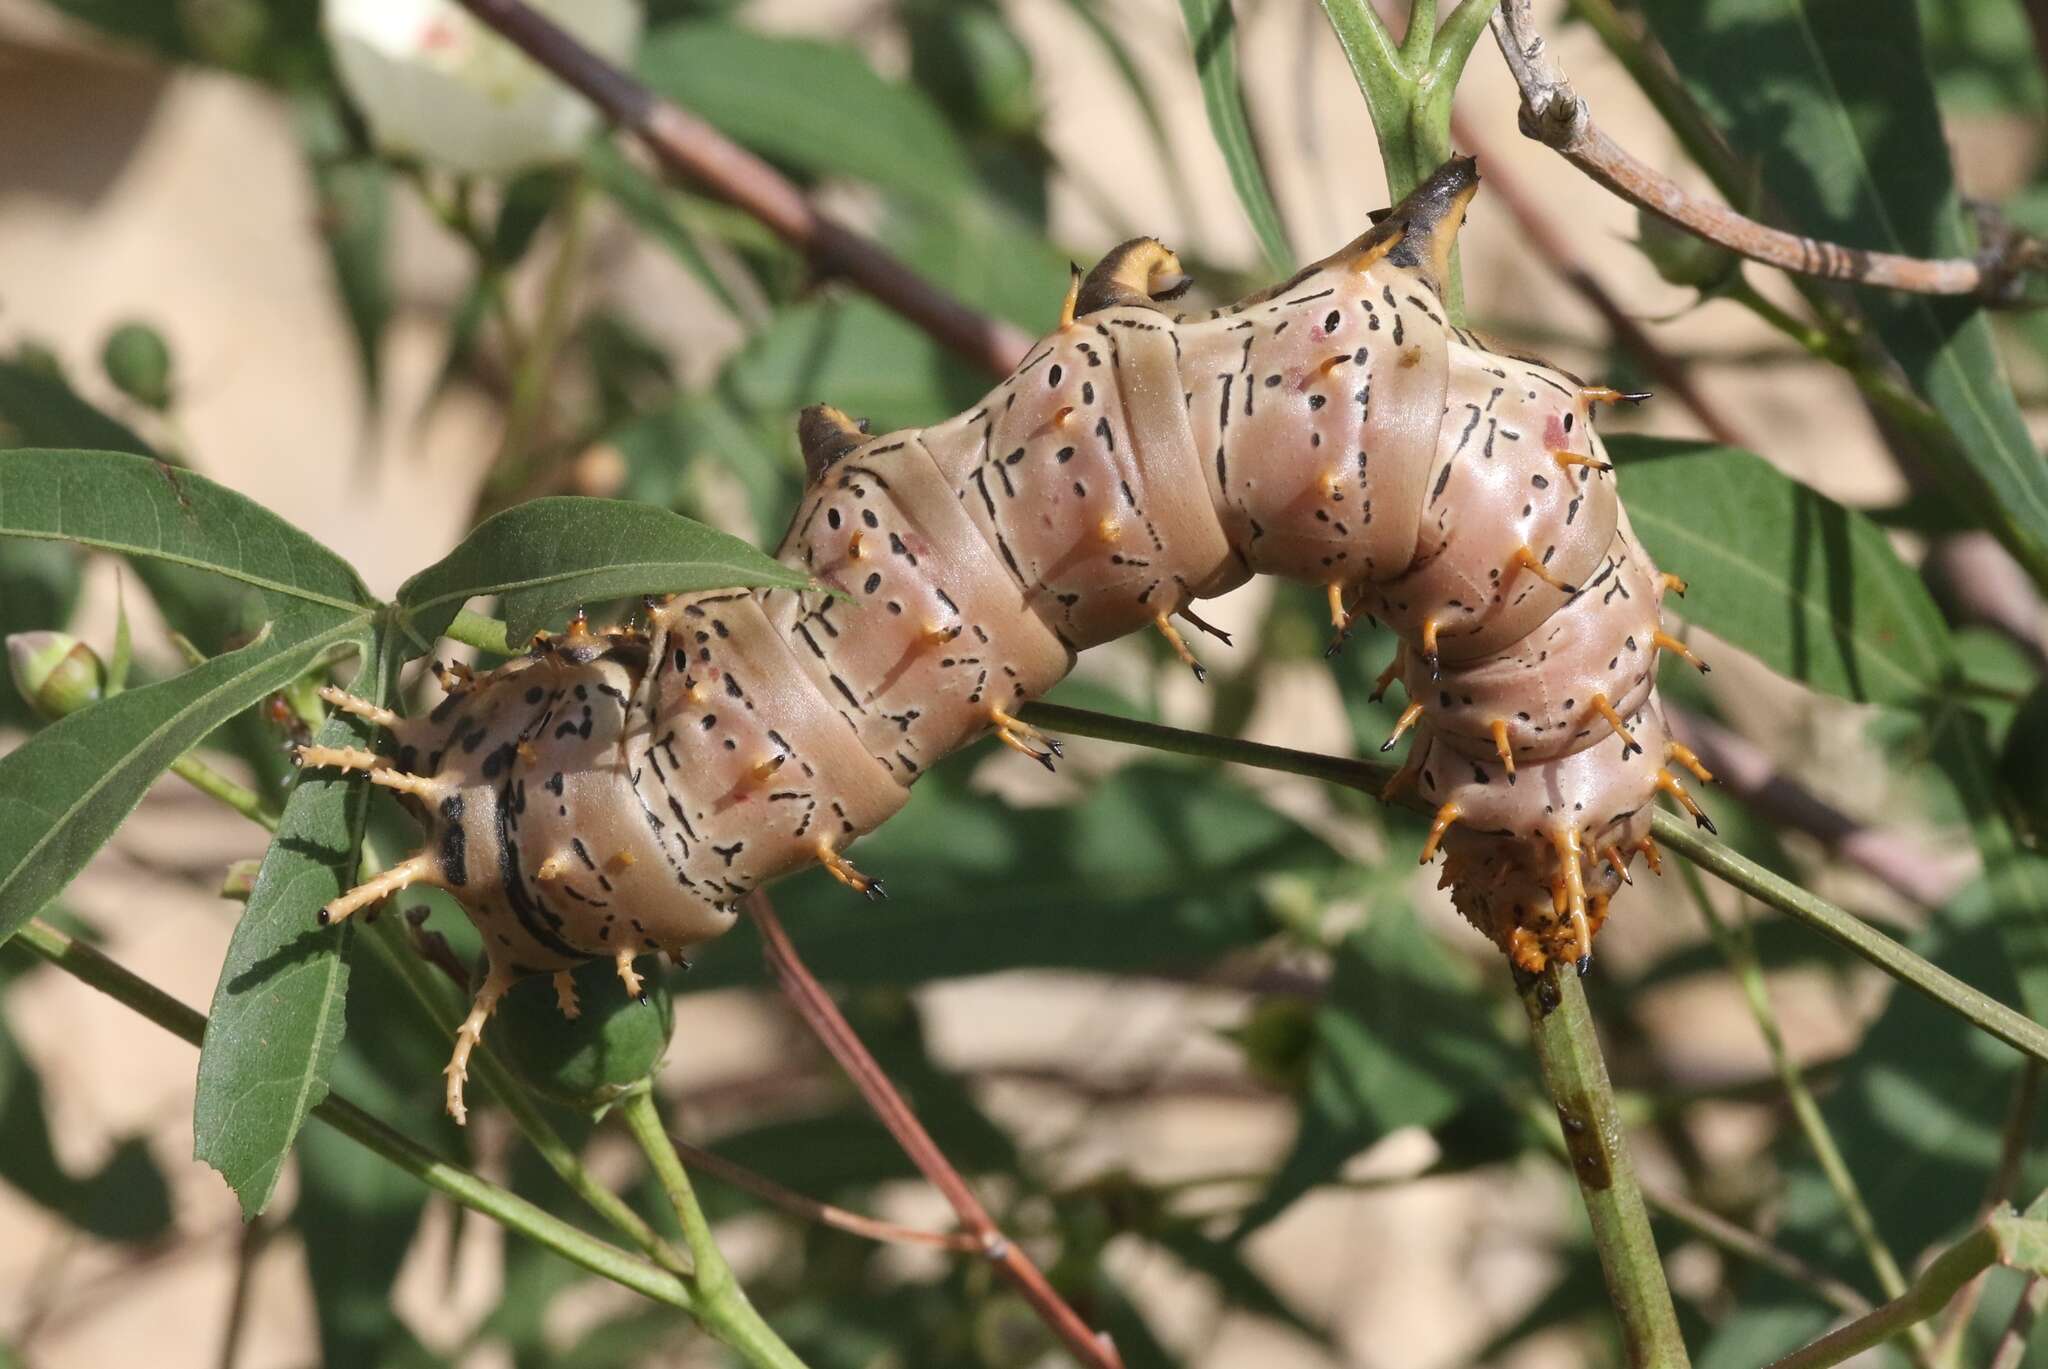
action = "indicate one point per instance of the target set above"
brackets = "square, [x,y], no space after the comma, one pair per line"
[614,794]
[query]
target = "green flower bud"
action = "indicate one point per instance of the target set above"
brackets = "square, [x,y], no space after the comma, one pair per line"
[1682,258]
[606,1052]
[56,673]
[138,361]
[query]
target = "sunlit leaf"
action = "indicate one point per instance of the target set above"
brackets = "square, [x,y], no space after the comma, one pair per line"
[544,557]
[1812,589]
[1212,32]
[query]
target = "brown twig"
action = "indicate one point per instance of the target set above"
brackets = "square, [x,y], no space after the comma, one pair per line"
[1549,243]
[811,1210]
[690,147]
[823,1017]
[1557,116]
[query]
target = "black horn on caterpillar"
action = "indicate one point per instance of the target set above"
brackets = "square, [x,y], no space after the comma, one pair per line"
[1429,219]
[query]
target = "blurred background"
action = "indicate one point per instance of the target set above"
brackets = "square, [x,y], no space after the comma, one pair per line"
[1209,1039]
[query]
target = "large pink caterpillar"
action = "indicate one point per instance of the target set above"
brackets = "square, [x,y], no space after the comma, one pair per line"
[614,794]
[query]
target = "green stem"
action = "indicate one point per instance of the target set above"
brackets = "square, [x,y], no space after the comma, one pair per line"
[211,782]
[445,1013]
[510,1210]
[1953,1268]
[1738,947]
[1978,1008]
[1568,1052]
[1723,862]
[723,1306]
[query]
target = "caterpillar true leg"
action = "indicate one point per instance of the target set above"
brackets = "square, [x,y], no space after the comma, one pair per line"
[628,976]
[1499,728]
[1013,732]
[496,981]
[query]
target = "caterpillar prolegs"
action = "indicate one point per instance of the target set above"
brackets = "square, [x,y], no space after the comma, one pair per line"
[616,793]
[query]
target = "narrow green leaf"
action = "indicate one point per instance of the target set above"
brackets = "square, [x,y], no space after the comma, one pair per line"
[1212,32]
[1831,101]
[1812,589]
[39,410]
[278,1008]
[856,354]
[65,790]
[545,557]
[812,105]
[120,502]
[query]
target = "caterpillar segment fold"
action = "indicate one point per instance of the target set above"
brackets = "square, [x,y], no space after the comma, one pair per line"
[615,792]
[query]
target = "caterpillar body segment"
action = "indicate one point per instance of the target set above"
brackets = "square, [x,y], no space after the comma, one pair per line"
[617,793]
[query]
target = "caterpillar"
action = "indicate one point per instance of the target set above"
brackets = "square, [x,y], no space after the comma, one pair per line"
[616,793]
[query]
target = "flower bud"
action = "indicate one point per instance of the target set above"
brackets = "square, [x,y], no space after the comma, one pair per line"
[1681,258]
[56,673]
[434,82]
[138,361]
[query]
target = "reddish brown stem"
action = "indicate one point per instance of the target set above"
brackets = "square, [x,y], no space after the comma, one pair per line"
[692,148]
[824,1019]
[810,1209]
[1555,115]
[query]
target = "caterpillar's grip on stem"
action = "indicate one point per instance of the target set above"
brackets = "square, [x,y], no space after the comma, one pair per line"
[617,793]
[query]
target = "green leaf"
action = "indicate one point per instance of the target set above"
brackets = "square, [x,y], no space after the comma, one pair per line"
[1812,589]
[1404,1039]
[41,410]
[125,1199]
[277,1014]
[856,354]
[815,106]
[118,502]
[1212,32]
[1186,204]
[65,790]
[549,555]
[1830,100]
[1159,867]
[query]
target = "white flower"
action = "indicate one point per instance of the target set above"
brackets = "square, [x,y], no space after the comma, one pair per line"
[435,83]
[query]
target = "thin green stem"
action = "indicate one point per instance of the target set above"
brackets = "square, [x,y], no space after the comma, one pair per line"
[1953,1268]
[485,634]
[1421,35]
[1568,1052]
[723,1305]
[212,783]
[90,967]
[1978,1008]
[1738,947]
[1723,862]
[445,1013]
